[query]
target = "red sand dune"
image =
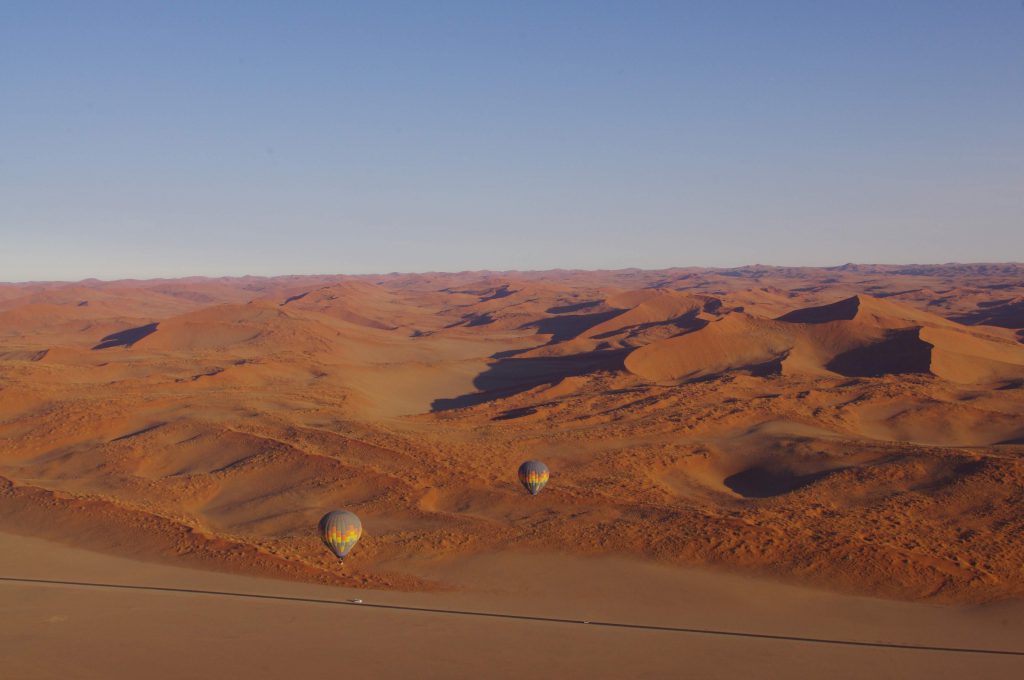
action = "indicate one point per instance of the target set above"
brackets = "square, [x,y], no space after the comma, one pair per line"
[857,336]
[858,427]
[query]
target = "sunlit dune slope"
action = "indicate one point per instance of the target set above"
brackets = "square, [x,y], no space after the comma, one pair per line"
[858,336]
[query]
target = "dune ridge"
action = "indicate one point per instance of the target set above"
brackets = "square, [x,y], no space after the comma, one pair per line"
[859,336]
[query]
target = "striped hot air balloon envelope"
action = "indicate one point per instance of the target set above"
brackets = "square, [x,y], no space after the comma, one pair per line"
[534,475]
[340,531]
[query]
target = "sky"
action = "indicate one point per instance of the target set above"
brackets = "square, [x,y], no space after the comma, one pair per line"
[143,139]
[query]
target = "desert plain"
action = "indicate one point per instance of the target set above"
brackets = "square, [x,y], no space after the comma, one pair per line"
[801,452]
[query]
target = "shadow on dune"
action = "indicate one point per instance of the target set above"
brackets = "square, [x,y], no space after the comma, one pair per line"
[1005,313]
[578,307]
[758,482]
[144,430]
[293,298]
[902,351]
[510,376]
[844,310]
[561,328]
[514,413]
[473,319]
[688,322]
[568,327]
[499,293]
[127,337]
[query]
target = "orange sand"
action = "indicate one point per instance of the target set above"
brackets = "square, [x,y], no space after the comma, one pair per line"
[859,428]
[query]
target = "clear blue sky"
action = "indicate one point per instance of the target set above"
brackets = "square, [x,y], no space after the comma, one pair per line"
[167,139]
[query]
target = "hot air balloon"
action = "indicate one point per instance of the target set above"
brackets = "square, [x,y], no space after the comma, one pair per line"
[534,475]
[340,530]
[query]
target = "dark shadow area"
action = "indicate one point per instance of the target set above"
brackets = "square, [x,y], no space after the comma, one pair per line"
[473,319]
[578,307]
[480,320]
[762,370]
[508,353]
[127,337]
[901,352]
[712,305]
[144,430]
[197,376]
[294,298]
[758,482]
[514,413]
[957,474]
[498,294]
[1005,313]
[707,378]
[844,310]
[687,322]
[767,368]
[567,327]
[879,292]
[512,376]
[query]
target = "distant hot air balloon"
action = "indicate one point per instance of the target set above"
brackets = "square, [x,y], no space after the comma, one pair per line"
[340,530]
[534,475]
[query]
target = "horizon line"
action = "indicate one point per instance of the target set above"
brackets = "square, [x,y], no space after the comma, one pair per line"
[571,270]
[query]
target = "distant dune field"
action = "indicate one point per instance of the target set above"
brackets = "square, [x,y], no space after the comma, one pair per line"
[858,428]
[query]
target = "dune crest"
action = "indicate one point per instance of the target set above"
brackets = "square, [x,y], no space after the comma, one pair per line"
[858,336]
